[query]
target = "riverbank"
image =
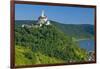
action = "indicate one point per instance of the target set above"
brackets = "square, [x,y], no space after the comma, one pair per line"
[79,39]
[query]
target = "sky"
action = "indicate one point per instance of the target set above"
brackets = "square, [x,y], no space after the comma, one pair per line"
[62,14]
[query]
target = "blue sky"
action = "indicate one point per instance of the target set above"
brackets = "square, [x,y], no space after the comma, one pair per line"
[62,14]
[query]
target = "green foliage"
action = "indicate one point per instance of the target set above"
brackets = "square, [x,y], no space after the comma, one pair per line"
[25,56]
[74,30]
[46,45]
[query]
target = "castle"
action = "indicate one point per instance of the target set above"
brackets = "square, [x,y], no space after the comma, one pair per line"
[42,20]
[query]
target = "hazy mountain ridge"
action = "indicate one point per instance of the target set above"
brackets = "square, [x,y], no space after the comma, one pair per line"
[76,30]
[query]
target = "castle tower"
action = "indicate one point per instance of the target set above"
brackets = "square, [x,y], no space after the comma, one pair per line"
[42,15]
[43,19]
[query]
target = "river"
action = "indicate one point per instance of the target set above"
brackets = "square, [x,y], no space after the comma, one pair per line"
[87,44]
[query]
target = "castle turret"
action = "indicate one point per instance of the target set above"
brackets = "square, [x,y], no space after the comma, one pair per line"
[43,19]
[42,15]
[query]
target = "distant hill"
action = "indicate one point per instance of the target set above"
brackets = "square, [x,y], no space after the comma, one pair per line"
[46,45]
[76,30]
[73,30]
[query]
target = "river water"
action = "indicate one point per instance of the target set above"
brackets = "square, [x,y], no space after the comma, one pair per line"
[87,44]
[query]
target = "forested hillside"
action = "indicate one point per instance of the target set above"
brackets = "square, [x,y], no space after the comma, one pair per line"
[78,31]
[46,45]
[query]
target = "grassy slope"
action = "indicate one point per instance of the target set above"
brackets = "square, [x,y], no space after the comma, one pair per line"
[25,56]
